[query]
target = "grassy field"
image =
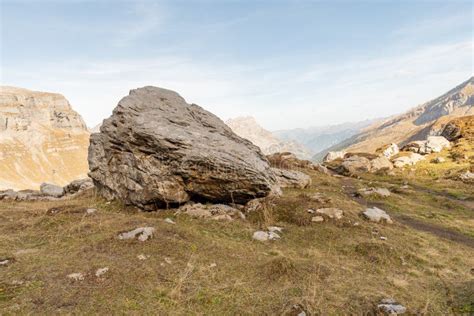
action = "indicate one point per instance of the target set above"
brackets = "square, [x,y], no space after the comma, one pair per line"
[200,266]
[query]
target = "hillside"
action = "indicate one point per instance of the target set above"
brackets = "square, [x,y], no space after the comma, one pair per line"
[42,139]
[248,128]
[426,119]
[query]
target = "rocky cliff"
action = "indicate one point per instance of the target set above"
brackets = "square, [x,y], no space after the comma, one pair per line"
[41,139]
[248,128]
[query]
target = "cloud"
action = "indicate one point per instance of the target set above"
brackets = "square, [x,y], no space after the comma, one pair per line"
[279,93]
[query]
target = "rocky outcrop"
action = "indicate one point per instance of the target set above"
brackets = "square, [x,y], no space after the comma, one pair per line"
[248,128]
[156,150]
[433,144]
[380,164]
[42,139]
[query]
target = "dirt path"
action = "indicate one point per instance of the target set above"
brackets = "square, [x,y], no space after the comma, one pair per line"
[442,232]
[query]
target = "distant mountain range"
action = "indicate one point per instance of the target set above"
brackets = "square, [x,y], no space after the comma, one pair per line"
[247,127]
[416,124]
[319,138]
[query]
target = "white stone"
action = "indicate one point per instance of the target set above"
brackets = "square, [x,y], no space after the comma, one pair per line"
[333,155]
[331,212]
[377,215]
[142,257]
[76,276]
[391,307]
[169,221]
[275,229]
[91,211]
[317,219]
[143,233]
[101,272]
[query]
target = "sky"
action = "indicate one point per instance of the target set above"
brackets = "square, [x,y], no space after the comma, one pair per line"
[287,63]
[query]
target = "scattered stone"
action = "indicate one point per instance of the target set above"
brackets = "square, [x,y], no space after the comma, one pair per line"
[379,191]
[213,265]
[51,190]
[355,164]
[438,160]
[380,164]
[213,211]
[156,150]
[331,212]
[170,221]
[311,211]
[317,219]
[101,272]
[76,276]
[356,224]
[142,233]
[264,236]
[275,229]
[142,257]
[383,238]
[91,211]
[467,176]
[390,150]
[407,160]
[5,262]
[435,144]
[377,215]
[333,155]
[168,260]
[291,178]
[391,307]
[78,186]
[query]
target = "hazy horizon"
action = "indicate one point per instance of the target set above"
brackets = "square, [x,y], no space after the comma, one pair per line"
[312,61]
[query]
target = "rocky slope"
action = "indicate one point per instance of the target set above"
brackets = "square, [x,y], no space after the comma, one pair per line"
[42,139]
[425,120]
[248,128]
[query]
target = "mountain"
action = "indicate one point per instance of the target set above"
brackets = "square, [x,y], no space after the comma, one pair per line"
[319,138]
[42,139]
[416,124]
[247,127]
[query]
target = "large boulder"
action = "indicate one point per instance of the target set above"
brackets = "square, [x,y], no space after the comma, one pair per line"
[389,150]
[433,144]
[156,150]
[355,165]
[380,164]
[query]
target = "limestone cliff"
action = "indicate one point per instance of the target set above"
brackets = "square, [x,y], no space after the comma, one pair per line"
[42,139]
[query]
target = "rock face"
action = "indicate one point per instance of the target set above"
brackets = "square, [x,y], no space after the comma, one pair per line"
[41,140]
[157,150]
[248,128]
[434,144]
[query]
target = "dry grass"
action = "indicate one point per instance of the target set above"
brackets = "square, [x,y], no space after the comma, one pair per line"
[325,268]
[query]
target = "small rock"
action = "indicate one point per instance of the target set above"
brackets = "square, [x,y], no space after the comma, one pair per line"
[356,224]
[222,217]
[317,219]
[264,236]
[76,276]
[275,229]
[377,215]
[383,238]
[311,211]
[142,257]
[467,176]
[168,260]
[391,307]
[100,272]
[379,191]
[273,236]
[331,212]
[143,233]
[4,262]
[213,265]
[91,211]
[438,160]
[169,221]
[51,190]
